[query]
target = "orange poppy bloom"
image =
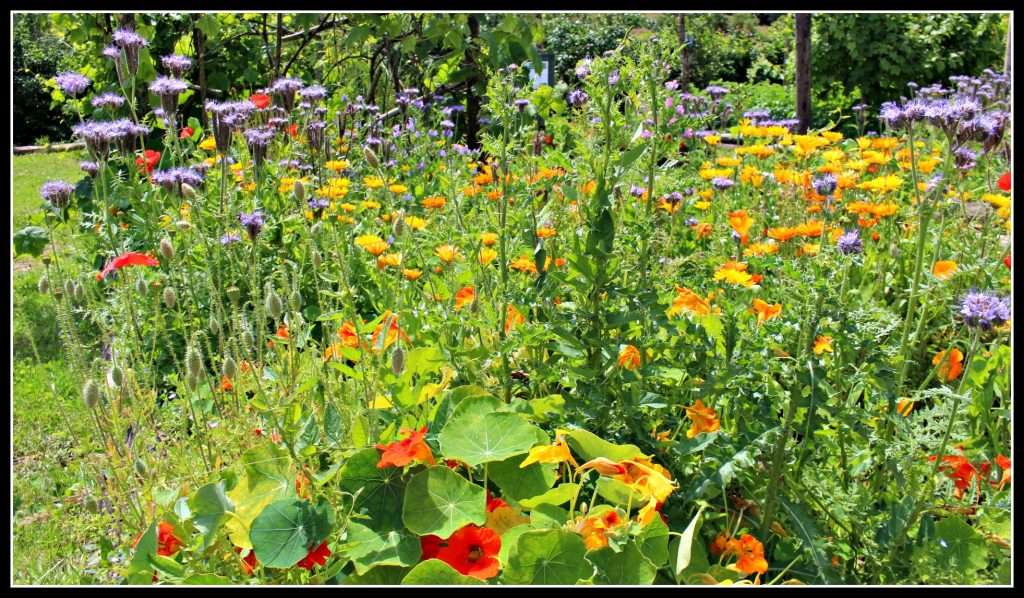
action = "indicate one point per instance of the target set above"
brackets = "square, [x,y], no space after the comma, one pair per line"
[944,269]
[629,357]
[513,319]
[464,297]
[403,452]
[951,367]
[394,331]
[764,311]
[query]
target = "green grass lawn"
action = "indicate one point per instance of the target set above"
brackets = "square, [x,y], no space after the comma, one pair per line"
[32,170]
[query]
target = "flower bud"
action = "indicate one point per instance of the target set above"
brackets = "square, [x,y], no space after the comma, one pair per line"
[140,466]
[371,157]
[248,340]
[141,287]
[58,293]
[318,259]
[313,230]
[398,360]
[46,259]
[228,367]
[299,189]
[167,248]
[296,300]
[234,293]
[398,226]
[214,325]
[69,288]
[43,285]
[79,292]
[274,305]
[184,225]
[194,361]
[170,297]
[91,394]
[193,383]
[188,191]
[117,376]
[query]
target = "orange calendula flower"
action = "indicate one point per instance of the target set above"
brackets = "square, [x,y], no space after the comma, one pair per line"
[489,239]
[464,297]
[557,452]
[448,253]
[944,269]
[403,452]
[741,223]
[761,249]
[513,319]
[391,260]
[484,177]
[704,419]
[411,273]
[545,232]
[951,367]
[523,264]
[435,203]
[735,273]
[822,344]
[629,357]
[764,311]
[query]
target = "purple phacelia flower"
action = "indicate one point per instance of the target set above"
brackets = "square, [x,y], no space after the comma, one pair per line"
[73,83]
[850,243]
[58,193]
[984,309]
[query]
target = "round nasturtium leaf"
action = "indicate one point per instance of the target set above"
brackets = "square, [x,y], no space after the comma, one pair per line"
[492,437]
[433,572]
[628,567]
[548,557]
[283,533]
[381,490]
[439,501]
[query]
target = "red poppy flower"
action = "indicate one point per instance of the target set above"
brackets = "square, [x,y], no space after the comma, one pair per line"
[403,452]
[1006,465]
[472,551]
[317,555]
[548,141]
[187,132]
[261,100]
[1007,260]
[127,259]
[149,161]
[1004,181]
[293,130]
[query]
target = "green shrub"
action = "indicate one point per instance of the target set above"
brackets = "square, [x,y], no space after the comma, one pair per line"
[38,55]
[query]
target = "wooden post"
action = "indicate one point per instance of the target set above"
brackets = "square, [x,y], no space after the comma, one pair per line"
[684,54]
[472,100]
[803,72]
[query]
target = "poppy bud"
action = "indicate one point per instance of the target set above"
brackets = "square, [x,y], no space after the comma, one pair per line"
[296,300]
[188,191]
[91,505]
[117,376]
[398,360]
[69,287]
[299,189]
[194,362]
[214,325]
[371,157]
[170,297]
[193,383]
[228,367]
[248,340]
[313,230]
[140,466]
[234,293]
[274,305]
[318,259]
[167,248]
[46,260]
[91,394]
[184,225]
[140,286]
[398,226]
[43,285]
[79,292]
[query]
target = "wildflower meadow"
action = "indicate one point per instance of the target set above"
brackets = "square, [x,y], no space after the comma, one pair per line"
[458,324]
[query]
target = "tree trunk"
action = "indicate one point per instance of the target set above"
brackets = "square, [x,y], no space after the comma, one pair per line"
[472,100]
[803,72]
[126,20]
[684,54]
[1008,59]
[197,43]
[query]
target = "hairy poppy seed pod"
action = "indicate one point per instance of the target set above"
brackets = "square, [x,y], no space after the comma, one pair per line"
[43,285]
[234,293]
[117,376]
[91,394]
[140,466]
[58,293]
[371,157]
[167,248]
[46,259]
[296,300]
[318,259]
[214,325]
[193,383]
[194,361]
[313,230]
[184,225]
[398,360]
[170,297]
[140,286]
[398,226]
[69,288]
[79,292]
[228,367]
[299,189]
[188,191]
[274,305]
[248,340]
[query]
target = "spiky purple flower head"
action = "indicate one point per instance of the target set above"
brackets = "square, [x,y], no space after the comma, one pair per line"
[613,78]
[73,83]
[177,64]
[253,223]
[722,183]
[583,68]
[716,91]
[172,179]
[825,185]
[131,43]
[984,310]
[850,243]
[58,193]
[168,89]
[89,168]
[578,97]
[108,100]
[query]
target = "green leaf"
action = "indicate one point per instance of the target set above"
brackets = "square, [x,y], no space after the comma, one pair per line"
[628,567]
[210,507]
[509,539]
[653,542]
[267,476]
[618,493]
[493,437]
[381,490]
[439,501]
[959,546]
[206,579]
[368,548]
[558,495]
[548,557]
[632,155]
[145,549]
[517,482]
[284,532]
[589,446]
[31,240]
[809,533]
[378,576]
[686,541]
[433,572]
[334,427]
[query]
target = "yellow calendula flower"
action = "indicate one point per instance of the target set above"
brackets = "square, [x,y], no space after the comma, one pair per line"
[712,140]
[415,222]
[882,184]
[370,205]
[389,260]
[208,144]
[337,165]
[487,255]
[398,189]
[448,253]
[489,239]
[373,182]
[411,274]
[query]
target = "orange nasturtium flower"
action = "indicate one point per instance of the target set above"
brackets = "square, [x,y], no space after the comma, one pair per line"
[764,311]
[557,452]
[751,556]
[464,297]
[629,357]
[1006,465]
[594,529]
[403,452]
[944,269]
[822,344]
[704,419]
[513,319]
[741,223]
[472,550]
[951,367]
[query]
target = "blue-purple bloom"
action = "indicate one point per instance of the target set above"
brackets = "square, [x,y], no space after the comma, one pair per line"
[578,97]
[722,183]
[108,100]
[825,185]
[73,83]
[89,168]
[173,178]
[229,238]
[850,243]
[984,309]
[614,77]
[253,223]
[58,193]
[313,92]
[177,64]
